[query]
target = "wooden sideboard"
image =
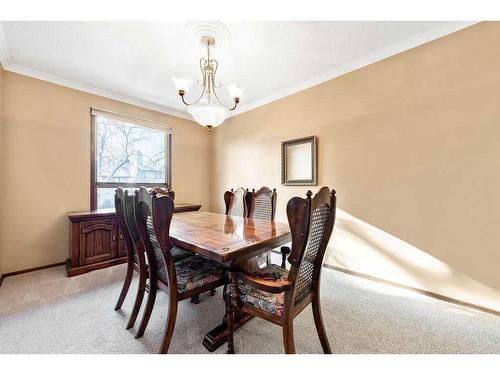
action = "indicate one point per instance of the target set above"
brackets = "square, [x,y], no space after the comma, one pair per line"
[97,242]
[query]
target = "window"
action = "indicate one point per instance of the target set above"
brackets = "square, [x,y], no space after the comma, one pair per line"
[127,152]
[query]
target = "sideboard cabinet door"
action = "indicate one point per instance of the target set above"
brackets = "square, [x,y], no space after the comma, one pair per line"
[98,241]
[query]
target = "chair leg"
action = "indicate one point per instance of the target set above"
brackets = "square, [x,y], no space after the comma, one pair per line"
[231,305]
[320,327]
[141,289]
[268,260]
[230,328]
[195,299]
[148,309]
[226,299]
[288,337]
[126,285]
[212,292]
[170,324]
[285,251]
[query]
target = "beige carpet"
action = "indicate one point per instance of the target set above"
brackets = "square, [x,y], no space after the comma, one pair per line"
[46,312]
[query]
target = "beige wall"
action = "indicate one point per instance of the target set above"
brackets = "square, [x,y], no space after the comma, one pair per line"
[46,165]
[412,146]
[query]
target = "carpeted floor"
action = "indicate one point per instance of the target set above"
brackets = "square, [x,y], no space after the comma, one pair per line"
[46,312]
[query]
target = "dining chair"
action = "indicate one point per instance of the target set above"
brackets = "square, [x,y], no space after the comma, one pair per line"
[262,205]
[278,295]
[236,203]
[136,261]
[162,191]
[135,254]
[180,280]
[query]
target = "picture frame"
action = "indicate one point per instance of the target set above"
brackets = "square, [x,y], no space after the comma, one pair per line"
[299,162]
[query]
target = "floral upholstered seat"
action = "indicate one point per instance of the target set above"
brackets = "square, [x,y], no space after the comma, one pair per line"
[194,272]
[270,302]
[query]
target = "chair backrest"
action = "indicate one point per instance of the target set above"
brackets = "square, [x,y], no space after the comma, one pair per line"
[160,263]
[162,207]
[130,218]
[262,203]
[236,203]
[311,223]
[121,217]
[139,253]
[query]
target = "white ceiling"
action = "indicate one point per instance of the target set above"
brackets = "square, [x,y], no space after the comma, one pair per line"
[135,61]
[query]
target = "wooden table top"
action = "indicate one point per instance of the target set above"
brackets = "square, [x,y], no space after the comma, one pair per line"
[226,238]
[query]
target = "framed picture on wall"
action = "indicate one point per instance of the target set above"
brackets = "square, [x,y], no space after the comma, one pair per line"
[299,161]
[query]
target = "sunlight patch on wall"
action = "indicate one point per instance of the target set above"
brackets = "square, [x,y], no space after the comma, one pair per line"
[364,248]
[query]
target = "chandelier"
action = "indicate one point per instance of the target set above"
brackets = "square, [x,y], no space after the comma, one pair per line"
[208,110]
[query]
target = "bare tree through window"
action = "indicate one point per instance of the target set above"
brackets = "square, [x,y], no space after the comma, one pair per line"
[127,155]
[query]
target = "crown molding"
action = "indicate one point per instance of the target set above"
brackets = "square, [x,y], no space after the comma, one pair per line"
[8,66]
[95,91]
[357,64]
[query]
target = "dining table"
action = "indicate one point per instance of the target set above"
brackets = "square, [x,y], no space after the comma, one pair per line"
[233,241]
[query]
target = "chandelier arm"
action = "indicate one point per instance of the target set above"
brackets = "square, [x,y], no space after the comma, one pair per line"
[203,63]
[201,95]
[215,66]
[236,101]
[182,98]
[215,94]
[181,93]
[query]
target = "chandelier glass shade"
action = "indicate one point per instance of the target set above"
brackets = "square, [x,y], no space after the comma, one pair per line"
[207,110]
[208,114]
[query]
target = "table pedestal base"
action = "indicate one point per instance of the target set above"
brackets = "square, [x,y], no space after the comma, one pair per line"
[218,336]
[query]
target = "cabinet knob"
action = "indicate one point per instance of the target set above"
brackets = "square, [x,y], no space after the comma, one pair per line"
[114,237]
[121,236]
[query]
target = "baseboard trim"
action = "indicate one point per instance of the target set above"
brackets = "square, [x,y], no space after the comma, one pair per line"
[9,274]
[420,291]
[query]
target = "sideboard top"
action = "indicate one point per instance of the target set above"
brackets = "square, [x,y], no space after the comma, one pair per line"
[106,212]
